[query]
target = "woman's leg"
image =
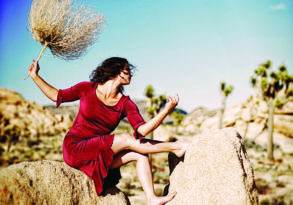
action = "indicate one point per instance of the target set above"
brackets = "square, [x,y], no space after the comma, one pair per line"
[143,172]
[146,146]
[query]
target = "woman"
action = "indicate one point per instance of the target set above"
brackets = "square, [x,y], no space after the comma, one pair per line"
[89,145]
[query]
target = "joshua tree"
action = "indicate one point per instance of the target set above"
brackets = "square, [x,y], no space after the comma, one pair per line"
[155,103]
[275,88]
[226,90]
[177,117]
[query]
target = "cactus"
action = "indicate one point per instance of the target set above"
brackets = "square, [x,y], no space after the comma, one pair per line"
[226,90]
[275,88]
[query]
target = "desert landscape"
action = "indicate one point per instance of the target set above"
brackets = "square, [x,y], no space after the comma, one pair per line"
[217,75]
[32,133]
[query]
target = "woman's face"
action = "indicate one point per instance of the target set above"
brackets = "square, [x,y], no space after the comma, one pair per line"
[125,76]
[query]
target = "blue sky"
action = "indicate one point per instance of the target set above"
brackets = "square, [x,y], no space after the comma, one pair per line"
[186,48]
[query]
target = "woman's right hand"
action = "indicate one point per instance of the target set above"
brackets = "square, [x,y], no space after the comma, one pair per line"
[171,103]
[34,69]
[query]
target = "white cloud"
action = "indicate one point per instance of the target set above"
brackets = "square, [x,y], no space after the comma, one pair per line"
[279,6]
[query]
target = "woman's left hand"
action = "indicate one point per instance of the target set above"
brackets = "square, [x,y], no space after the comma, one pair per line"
[171,103]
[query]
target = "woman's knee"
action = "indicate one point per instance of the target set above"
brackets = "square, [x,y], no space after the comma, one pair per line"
[140,157]
[126,139]
[122,140]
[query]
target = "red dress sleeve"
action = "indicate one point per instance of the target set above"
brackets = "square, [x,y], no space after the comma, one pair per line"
[70,94]
[134,117]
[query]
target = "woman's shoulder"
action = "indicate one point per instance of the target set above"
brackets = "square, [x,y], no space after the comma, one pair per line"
[128,102]
[126,98]
[85,84]
[81,86]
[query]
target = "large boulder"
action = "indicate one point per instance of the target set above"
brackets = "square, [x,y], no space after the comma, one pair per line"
[52,182]
[215,170]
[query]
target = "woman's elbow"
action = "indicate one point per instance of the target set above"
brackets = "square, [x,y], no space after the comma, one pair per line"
[54,96]
[141,130]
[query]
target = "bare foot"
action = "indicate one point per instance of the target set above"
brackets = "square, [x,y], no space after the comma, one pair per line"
[162,199]
[182,146]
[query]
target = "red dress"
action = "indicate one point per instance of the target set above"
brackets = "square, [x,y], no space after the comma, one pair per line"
[87,144]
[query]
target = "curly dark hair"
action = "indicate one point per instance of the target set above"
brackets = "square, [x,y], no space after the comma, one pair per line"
[111,68]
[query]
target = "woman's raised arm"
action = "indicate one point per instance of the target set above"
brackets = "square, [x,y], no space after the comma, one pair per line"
[153,123]
[50,91]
